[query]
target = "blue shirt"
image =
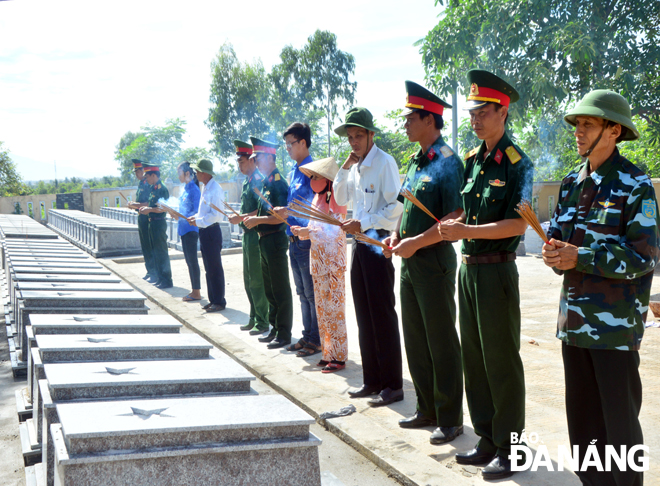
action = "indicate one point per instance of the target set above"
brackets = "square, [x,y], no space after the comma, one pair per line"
[188,204]
[299,187]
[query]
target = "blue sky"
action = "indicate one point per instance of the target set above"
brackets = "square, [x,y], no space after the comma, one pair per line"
[76,75]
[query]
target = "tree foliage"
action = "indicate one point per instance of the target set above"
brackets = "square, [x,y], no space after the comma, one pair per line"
[11,183]
[553,52]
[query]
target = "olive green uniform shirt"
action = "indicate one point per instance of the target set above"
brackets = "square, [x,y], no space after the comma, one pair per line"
[276,191]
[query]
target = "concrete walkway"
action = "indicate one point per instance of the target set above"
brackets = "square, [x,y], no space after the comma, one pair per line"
[407,454]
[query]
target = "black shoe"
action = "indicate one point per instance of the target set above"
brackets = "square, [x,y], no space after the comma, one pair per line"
[204,307]
[255,331]
[147,277]
[246,327]
[364,391]
[498,468]
[269,338]
[474,457]
[445,434]
[386,397]
[164,285]
[416,421]
[215,308]
[279,343]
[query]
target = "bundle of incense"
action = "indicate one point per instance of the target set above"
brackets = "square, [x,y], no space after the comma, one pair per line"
[527,213]
[171,211]
[270,211]
[230,208]
[370,241]
[307,211]
[213,206]
[409,196]
[122,195]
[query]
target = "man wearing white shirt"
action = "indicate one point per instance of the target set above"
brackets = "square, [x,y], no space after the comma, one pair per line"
[369,177]
[207,220]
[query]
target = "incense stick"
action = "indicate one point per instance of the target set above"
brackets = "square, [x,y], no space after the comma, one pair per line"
[122,195]
[213,206]
[410,197]
[310,212]
[361,237]
[527,213]
[270,211]
[230,208]
[172,212]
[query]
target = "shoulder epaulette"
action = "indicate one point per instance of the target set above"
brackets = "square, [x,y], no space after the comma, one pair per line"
[277,177]
[513,154]
[471,153]
[446,151]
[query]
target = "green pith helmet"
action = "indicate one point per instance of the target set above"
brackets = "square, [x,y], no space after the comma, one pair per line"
[357,117]
[203,165]
[608,105]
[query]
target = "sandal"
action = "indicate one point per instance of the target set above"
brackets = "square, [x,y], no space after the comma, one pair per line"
[332,367]
[297,346]
[322,363]
[188,298]
[308,351]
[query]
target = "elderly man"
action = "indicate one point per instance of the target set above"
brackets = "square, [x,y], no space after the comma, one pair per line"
[207,220]
[497,176]
[142,199]
[428,271]
[604,241]
[370,178]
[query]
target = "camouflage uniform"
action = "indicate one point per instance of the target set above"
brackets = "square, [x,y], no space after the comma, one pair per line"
[611,216]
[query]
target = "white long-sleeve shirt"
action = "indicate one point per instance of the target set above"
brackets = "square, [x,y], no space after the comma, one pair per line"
[373,185]
[212,193]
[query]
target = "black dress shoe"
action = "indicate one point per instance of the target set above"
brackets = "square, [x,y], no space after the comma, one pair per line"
[269,338]
[416,421]
[216,308]
[474,457]
[246,327]
[386,397]
[147,277]
[255,331]
[165,285]
[364,391]
[279,343]
[207,306]
[498,468]
[445,434]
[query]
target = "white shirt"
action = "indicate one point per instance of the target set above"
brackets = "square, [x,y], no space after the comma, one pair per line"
[373,185]
[212,193]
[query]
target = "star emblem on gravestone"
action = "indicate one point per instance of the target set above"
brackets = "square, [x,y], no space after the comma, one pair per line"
[64,293]
[98,340]
[119,371]
[147,413]
[82,319]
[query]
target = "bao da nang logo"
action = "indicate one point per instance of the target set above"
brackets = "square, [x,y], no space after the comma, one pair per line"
[622,458]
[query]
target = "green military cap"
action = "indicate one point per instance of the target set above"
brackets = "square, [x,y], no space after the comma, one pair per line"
[608,105]
[485,87]
[263,147]
[148,167]
[357,117]
[242,148]
[203,165]
[420,98]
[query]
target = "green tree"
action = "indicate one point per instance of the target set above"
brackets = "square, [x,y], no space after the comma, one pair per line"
[554,52]
[11,183]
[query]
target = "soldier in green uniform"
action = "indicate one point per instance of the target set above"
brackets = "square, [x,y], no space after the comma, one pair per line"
[428,270]
[252,276]
[604,241]
[141,199]
[158,227]
[497,176]
[273,244]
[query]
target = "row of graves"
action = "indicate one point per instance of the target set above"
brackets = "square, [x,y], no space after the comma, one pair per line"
[116,396]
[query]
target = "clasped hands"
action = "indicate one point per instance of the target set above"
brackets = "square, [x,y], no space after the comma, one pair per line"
[560,255]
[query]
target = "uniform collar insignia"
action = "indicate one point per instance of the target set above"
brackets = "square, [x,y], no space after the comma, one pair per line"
[498,156]
[431,153]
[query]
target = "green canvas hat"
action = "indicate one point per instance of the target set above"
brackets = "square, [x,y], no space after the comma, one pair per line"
[203,165]
[485,87]
[242,148]
[357,117]
[608,105]
[263,147]
[420,98]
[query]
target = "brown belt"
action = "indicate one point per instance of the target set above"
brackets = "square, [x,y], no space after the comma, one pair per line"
[497,257]
[266,233]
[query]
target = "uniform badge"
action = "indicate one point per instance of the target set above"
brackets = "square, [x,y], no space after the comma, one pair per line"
[277,177]
[498,156]
[474,90]
[470,179]
[648,208]
[371,187]
[431,153]
[513,154]
[497,183]
[606,204]
[446,151]
[426,179]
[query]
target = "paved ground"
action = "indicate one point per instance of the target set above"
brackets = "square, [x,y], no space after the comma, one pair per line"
[407,454]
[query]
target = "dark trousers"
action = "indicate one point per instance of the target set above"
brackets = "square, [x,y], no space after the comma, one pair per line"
[253,280]
[428,314]
[145,243]
[299,257]
[372,282]
[275,270]
[158,236]
[189,244]
[603,400]
[489,316]
[210,242]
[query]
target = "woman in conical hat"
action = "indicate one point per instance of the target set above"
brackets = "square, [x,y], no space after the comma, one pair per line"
[327,265]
